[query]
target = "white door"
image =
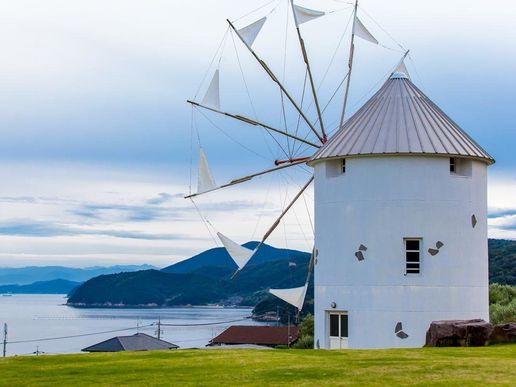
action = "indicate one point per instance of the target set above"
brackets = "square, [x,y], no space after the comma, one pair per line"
[338,330]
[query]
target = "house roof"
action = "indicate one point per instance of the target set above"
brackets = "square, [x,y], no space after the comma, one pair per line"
[136,342]
[259,335]
[400,119]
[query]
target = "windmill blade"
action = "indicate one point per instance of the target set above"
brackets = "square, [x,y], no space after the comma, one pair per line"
[294,296]
[303,15]
[360,30]
[250,32]
[253,122]
[276,223]
[277,81]
[212,96]
[246,178]
[205,180]
[240,254]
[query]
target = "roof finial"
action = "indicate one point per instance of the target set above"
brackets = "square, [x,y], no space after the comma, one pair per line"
[401,72]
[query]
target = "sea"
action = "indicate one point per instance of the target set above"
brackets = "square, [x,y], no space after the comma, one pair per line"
[43,324]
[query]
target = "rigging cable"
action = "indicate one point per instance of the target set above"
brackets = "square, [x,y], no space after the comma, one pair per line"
[191,150]
[220,46]
[251,102]
[230,137]
[259,8]
[417,72]
[385,31]
[206,223]
[203,324]
[341,39]
[283,80]
[299,115]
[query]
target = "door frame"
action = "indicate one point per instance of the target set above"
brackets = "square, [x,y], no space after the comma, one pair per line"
[343,340]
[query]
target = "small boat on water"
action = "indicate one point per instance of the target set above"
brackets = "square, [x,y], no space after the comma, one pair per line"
[7,294]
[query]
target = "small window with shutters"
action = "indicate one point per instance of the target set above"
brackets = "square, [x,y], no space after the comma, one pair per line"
[412,255]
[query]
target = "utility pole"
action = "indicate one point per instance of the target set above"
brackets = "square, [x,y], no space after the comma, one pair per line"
[159,328]
[288,331]
[5,338]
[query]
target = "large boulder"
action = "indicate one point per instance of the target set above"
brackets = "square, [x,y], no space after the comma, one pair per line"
[458,333]
[504,333]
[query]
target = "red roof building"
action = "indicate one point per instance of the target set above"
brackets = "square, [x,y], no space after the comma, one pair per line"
[257,335]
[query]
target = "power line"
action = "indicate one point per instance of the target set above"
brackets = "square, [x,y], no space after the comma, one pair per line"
[74,336]
[205,324]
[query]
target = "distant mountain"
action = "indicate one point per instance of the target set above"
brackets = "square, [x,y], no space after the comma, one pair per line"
[31,274]
[203,279]
[206,279]
[58,286]
[219,257]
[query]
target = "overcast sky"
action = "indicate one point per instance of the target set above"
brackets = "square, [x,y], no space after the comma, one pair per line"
[96,136]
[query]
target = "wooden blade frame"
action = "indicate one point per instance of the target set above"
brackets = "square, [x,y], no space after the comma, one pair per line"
[254,122]
[277,222]
[248,177]
[309,70]
[280,85]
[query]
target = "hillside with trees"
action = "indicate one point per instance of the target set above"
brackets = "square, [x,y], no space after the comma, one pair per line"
[206,279]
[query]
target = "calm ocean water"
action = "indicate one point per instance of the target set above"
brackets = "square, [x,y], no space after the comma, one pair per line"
[32,317]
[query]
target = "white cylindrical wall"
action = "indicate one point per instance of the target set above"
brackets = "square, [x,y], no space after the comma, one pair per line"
[378,202]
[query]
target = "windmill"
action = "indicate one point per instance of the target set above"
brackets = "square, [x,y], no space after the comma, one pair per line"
[316,136]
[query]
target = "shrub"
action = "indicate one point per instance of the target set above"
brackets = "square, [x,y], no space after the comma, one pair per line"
[306,328]
[304,342]
[502,303]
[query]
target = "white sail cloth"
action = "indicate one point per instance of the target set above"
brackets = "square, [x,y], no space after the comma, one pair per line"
[205,180]
[240,254]
[212,96]
[401,68]
[294,296]
[249,33]
[362,32]
[303,15]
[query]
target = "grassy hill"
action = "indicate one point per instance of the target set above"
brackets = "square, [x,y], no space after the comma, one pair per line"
[502,261]
[482,366]
[200,285]
[219,257]
[206,279]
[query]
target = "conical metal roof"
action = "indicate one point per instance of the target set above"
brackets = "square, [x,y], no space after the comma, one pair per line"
[400,119]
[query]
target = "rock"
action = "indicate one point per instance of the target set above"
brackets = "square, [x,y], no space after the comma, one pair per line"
[458,333]
[504,333]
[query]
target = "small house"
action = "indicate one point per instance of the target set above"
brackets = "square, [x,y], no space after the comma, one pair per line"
[270,336]
[136,342]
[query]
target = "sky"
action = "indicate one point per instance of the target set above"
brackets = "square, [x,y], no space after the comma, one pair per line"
[98,144]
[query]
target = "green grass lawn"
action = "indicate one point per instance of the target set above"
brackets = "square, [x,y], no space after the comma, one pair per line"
[494,365]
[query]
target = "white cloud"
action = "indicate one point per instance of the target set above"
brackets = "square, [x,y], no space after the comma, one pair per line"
[88,215]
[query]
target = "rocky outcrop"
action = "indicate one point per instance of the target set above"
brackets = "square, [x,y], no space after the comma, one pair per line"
[458,333]
[504,333]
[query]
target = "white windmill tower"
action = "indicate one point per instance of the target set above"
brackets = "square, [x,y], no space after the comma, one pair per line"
[401,223]
[400,208]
